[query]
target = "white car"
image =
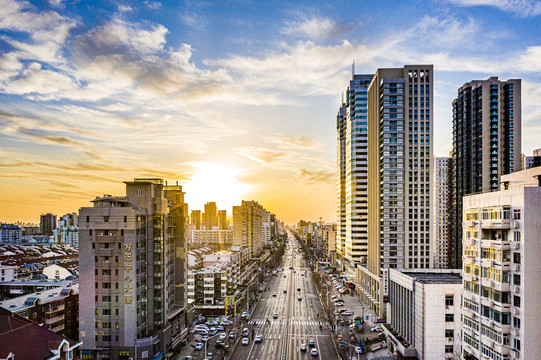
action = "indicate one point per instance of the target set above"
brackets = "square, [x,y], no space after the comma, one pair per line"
[245,341]
[258,338]
[314,352]
[198,346]
[358,350]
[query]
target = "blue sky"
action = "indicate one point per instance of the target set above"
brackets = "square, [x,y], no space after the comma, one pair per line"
[235,99]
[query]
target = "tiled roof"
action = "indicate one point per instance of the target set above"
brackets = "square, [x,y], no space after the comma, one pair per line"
[15,335]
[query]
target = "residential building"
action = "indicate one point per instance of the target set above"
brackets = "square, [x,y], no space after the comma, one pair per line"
[486,141]
[400,147]
[210,216]
[223,224]
[67,230]
[10,233]
[196,219]
[47,224]
[443,213]
[352,174]
[501,244]
[22,339]
[212,237]
[55,309]
[266,218]
[423,321]
[529,162]
[133,271]
[248,226]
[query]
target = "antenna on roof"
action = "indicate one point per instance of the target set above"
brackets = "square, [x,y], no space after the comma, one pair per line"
[353,70]
[342,97]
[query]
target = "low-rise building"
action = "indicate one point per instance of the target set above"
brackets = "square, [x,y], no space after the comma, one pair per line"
[22,339]
[212,237]
[423,313]
[55,309]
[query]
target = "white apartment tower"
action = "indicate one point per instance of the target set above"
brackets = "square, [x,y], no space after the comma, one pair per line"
[352,168]
[501,247]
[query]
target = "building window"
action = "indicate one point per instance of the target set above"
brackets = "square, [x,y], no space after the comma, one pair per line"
[449,300]
[106,219]
[516,258]
[516,279]
[449,349]
[449,333]
[516,301]
[516,322]
[516,214]
[449,317]
[517,344]
[88,219]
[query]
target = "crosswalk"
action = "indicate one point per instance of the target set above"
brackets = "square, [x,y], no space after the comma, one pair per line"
[288,322]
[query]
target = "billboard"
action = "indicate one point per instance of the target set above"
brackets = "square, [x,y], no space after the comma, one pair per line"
[230,305]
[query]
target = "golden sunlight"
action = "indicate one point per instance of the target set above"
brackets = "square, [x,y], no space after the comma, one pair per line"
[215,182]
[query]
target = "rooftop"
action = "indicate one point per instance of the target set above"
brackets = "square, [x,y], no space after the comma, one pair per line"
[28,301]
[433,277]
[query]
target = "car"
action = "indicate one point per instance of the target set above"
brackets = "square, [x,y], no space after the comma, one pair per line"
[245,332]
[205,339]
[209,355]
[311,343]
[275,316]
[213,331]
[232,334]
[188,357]
[274,294]
[258,338]
[285,291]
[347,313]
[342,310]
[314,352]
[339,303]
[303,347]
[335,297]
[245,341]
[358,350]
[223,336]
[300,298]
[220,328]
[244,315]
[198,346]
[375,329]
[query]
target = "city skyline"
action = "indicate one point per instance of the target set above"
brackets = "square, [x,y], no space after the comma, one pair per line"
[235,100]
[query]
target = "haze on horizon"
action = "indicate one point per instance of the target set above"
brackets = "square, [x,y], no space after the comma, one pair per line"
[234,99]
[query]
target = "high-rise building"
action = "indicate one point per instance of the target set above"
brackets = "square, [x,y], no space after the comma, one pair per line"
[529,162]
[10,233]
[486,141]
[501,243]
[196,219]
[443,213]
[400,117]
[248,226]
[352,172]
[132,272]
[210,216]
[47,223]
[222,220]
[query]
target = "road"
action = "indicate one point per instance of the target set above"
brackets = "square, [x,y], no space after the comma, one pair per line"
[298,320]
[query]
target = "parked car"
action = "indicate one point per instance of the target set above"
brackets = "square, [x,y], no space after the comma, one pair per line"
[245,341]
[375,329]
[232,334]
[198,346]
[347,313]
[258,338]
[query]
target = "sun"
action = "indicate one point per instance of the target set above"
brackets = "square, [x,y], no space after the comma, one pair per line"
[215,182]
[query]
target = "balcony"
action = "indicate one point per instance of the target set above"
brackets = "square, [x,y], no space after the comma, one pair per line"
[470,223]
[502,224]
[55,319]
[107,238]
[57,328]
[52,309]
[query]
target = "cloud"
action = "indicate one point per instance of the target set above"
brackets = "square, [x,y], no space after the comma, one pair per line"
[153,5]
[124,8]
[296,142]
[319,28]
[524,8]
[316,176]
[446,32]
[263,156]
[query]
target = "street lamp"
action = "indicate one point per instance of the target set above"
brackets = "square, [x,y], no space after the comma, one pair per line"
[206,344]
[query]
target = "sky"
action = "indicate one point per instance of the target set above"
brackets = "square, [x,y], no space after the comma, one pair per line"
[234,99]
